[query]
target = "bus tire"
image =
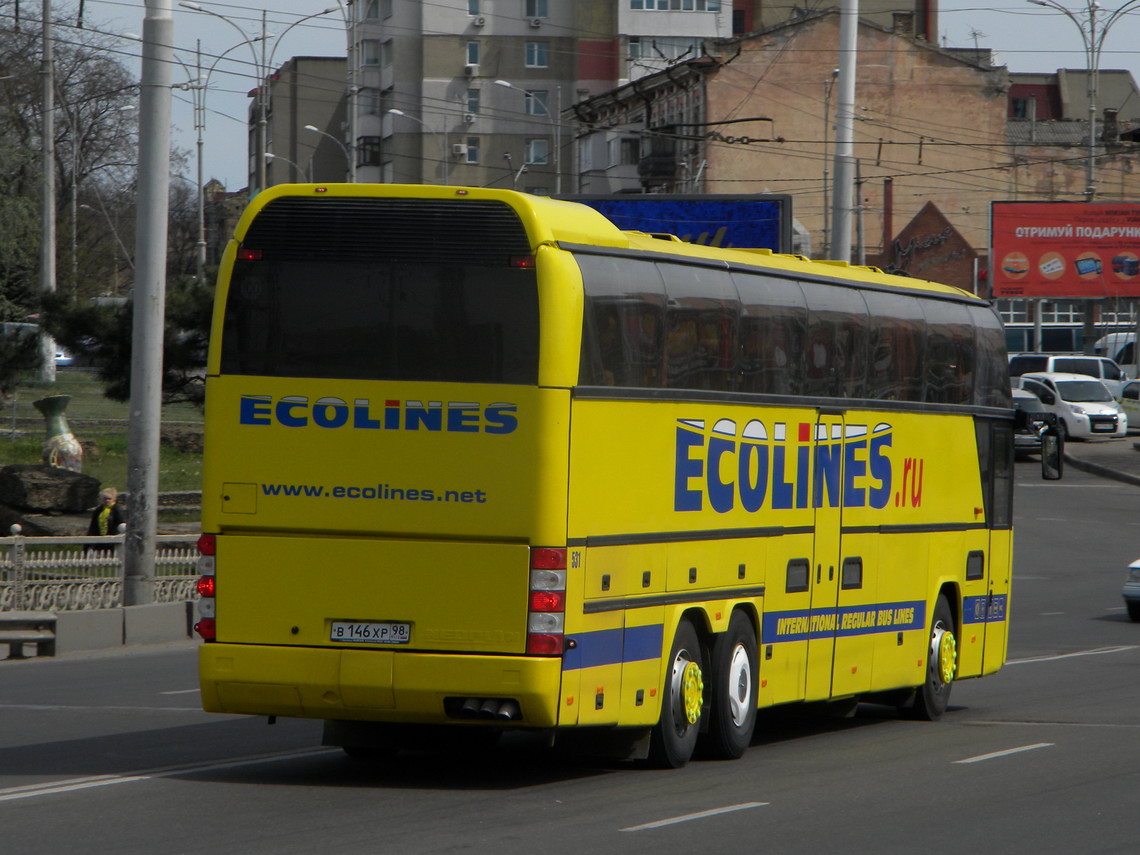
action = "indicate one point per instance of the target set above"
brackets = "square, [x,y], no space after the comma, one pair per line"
[675,734]
[734,686]
[933,696]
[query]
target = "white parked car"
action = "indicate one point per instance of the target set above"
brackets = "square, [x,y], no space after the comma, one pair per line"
[1100,367]
[1083,405]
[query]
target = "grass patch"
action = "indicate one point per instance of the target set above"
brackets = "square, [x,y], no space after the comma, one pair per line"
[95,419]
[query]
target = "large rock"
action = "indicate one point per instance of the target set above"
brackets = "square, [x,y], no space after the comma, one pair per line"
[44,489]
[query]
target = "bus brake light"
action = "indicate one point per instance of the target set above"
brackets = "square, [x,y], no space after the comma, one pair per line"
[207,544]
[547,558]
[207,629]
[206,586]
[547,601]
[546,618]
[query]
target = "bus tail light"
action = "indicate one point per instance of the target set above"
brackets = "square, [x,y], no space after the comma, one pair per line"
[546,614]
[207,587]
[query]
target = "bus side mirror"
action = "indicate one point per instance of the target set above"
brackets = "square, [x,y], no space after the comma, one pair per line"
[1052,454]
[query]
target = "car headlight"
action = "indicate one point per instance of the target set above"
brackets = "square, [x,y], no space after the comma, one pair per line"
[1134,574]
[1080,411]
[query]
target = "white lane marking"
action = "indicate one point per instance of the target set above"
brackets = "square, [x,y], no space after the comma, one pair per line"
[691,816]
[52,788]
[1049,614]
[182,692]
[1099,651]
[1005,753]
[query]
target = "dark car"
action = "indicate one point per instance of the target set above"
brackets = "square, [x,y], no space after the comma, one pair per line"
[1030,418]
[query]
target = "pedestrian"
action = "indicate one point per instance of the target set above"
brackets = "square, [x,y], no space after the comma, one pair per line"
[107,517]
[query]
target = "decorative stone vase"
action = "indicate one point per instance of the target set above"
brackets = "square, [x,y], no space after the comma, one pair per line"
[61,448]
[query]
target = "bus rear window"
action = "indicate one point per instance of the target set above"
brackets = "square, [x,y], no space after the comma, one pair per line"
[371,300]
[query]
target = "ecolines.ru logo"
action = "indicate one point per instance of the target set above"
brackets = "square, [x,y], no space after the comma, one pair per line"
[730,467]
[295,411]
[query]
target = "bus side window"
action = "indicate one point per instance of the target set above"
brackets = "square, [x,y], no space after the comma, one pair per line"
[837,355]
[702,316]
[622,322]
[949,353]
[991,378]
[773,332]
[897,347]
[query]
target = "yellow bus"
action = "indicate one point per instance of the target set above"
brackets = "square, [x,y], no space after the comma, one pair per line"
[479,460]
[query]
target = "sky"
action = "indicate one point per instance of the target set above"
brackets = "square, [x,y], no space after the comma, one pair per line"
[1023,36]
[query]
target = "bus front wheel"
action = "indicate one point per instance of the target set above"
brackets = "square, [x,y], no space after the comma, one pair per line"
[932,698]
[734,682]
[675,735]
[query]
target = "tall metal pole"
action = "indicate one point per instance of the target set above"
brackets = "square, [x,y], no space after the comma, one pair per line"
[845,131]
[200,127]
[262,119]
[47,189]
[827,184]
[149,302]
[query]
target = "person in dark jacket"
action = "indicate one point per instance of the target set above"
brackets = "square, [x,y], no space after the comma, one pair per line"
[108,516]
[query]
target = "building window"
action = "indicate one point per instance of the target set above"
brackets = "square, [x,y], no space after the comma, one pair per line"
[535,9]
[472,100]
[1021,108]
[369,52]
[368,101]
[472,7]
[536,103]
[372,10]
[368,151]
[472,155]
[537,55]
[473,53]
[387,48]
[676,5]
[630,151]
[385,8]
[635,47]
[537,152]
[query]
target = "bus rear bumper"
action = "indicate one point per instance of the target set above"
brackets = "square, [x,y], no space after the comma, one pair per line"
[373,685]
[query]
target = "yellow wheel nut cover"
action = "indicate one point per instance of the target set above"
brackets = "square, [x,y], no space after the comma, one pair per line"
[947,656]
[692,691]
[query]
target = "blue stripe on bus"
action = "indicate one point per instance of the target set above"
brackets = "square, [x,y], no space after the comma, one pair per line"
[984,609]
[614,646]
[804,624]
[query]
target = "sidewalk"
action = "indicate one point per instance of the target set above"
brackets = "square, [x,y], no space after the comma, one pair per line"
[1118,459]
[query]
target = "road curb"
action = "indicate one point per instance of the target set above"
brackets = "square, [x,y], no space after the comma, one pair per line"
[1102,471]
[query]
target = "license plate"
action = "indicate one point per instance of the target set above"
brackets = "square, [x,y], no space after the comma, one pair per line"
[371,632]
[1105,428]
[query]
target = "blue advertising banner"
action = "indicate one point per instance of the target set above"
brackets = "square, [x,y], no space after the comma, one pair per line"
[761,221]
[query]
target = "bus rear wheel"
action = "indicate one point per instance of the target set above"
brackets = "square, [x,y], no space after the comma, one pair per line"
[734,680]
[933,696]
[675,735]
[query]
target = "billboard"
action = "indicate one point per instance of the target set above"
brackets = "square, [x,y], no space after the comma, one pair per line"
[761,221]
[1065,249]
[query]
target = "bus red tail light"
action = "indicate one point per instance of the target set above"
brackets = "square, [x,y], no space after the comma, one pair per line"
[548,601]
[547,558]
[207,587]
[546,615]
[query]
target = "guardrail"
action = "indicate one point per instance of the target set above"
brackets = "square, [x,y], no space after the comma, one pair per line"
[80,573]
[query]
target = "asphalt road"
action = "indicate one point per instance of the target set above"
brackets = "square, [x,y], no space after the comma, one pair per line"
[109,753]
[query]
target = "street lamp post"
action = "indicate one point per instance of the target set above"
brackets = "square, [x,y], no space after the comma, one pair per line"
[271,156]
[343,148]
[1093,32]
[556,126]
[443,137]
[261,65]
